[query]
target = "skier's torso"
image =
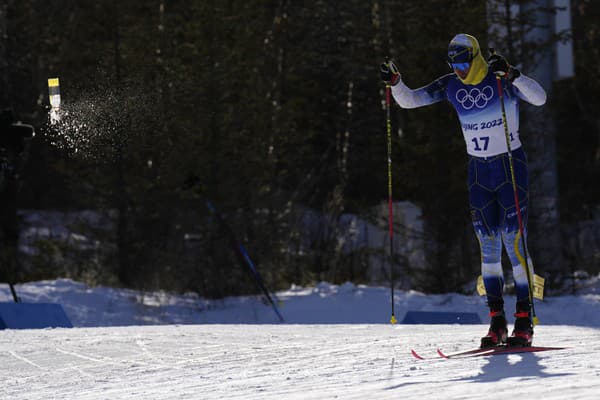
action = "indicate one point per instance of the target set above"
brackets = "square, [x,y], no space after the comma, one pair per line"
[478,107]
[480,113]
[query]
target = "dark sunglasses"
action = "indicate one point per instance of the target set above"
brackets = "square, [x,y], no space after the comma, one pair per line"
[460,55]
[460,58]
[461,66]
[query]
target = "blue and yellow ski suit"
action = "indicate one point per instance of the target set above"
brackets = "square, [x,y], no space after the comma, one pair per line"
[491,196]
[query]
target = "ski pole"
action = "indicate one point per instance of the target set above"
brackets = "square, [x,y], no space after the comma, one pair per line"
[245,258]
[14,293]
[388,89]
[517,206]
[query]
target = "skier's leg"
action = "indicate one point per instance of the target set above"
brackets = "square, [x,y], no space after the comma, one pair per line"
[484,214]
[491,266]
[514,248]
[513,243]
[491,269]
[485,217]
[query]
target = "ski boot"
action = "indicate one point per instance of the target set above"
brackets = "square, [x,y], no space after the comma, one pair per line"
[522,334]
[498,331]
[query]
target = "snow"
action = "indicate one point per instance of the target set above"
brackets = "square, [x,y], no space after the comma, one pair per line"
[336,343]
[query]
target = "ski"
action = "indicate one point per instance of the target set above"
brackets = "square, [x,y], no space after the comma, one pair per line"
[468,353]
[476,351]
[489,351]
[417,356]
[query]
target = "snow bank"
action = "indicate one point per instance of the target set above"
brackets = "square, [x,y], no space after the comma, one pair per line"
[323,304]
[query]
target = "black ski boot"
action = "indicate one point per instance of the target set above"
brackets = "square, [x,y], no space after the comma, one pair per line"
[522,335]
[498,331]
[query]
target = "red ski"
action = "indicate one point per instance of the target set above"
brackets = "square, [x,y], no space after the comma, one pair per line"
[491,351]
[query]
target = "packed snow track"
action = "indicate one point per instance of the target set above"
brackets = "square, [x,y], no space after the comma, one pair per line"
[289,361]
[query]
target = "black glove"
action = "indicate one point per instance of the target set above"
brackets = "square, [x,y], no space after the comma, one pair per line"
[498,64]
[389,73]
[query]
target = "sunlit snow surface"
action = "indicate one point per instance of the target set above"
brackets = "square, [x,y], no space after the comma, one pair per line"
[246,357]
[288,362]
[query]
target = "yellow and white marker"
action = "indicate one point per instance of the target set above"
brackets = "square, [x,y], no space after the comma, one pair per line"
[54,95]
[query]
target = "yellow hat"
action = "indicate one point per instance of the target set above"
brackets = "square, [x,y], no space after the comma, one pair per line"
[466,47]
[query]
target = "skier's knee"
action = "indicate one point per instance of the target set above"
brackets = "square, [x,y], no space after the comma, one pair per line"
[491,247]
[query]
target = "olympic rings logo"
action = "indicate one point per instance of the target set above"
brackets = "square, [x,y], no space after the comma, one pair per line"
[474,97]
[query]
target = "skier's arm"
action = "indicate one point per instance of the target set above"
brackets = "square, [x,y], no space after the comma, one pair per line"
[526,88]
[409,98]
[529,90]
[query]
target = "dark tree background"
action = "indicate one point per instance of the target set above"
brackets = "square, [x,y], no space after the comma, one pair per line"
[276,106]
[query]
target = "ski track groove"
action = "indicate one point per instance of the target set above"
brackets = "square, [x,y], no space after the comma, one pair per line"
[25,360]
[113,361]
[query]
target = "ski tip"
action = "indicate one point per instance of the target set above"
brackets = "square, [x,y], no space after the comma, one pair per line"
[442,354]
[415,355]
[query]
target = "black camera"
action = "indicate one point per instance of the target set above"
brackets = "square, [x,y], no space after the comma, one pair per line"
[13,134]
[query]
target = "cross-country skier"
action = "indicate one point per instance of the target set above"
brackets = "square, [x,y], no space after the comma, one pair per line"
[472,90]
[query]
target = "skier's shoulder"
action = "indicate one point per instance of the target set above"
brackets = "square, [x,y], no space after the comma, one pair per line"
[444,80]
[440,84]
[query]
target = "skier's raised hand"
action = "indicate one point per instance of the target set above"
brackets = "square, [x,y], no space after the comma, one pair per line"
[498,64]
[389,72]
